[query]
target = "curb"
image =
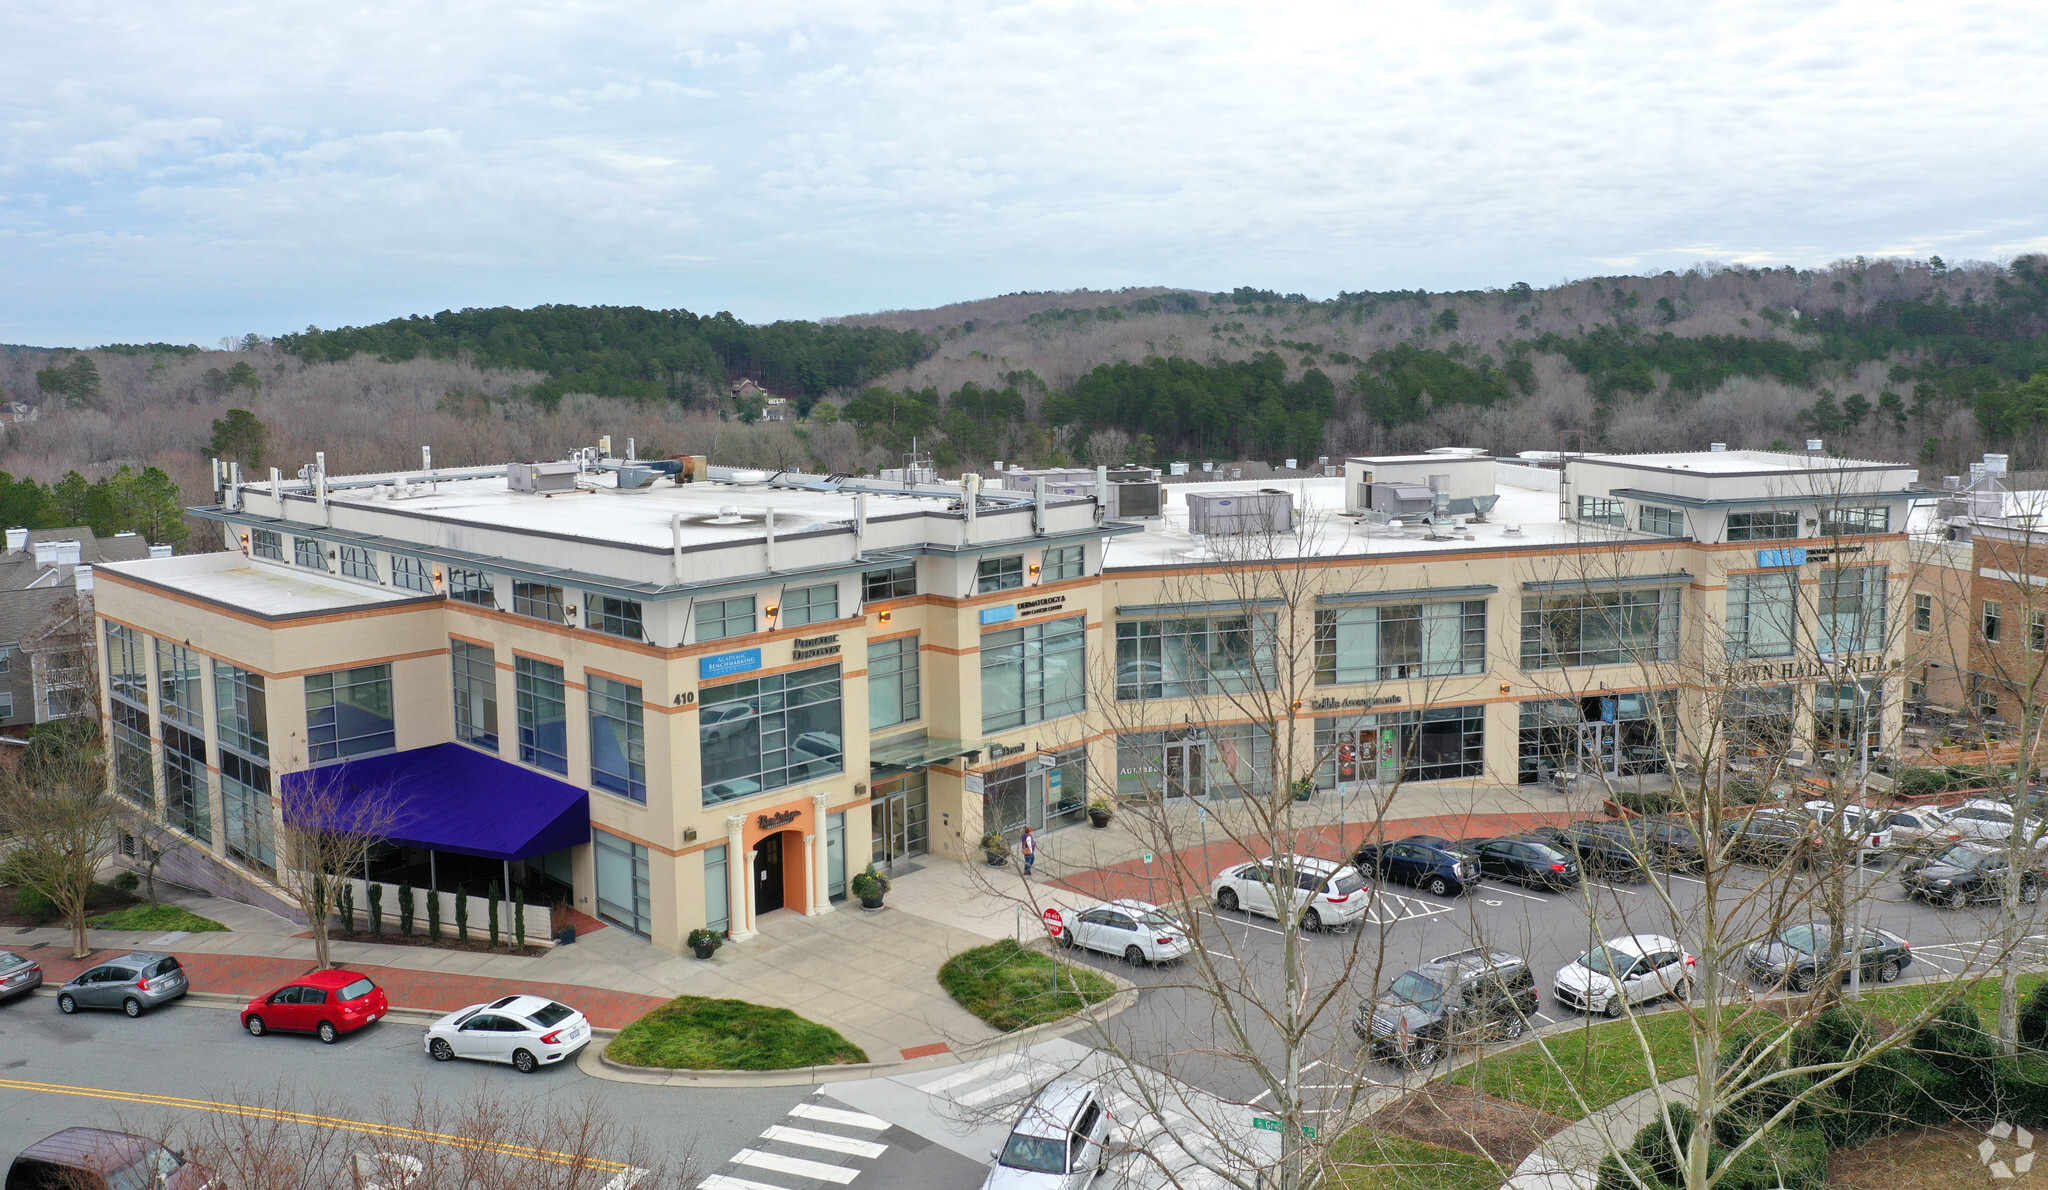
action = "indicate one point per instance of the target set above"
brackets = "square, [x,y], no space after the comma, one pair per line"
[235,1003]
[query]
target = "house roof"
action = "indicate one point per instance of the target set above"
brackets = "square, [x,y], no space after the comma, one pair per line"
[19,571]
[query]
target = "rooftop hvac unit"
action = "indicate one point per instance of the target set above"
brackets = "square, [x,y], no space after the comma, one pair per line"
[541,478]
[1403,500]
[1135,499]
[1232,513]
[631,478]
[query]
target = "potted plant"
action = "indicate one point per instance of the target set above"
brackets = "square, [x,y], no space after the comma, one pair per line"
[869,885]
[705,941]
[995,849]
[1303,787]
[1099,808]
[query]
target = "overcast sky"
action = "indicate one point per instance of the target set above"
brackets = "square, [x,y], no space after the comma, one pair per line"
[172,170]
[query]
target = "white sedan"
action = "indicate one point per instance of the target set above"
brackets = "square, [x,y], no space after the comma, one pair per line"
[528,1032]
[1137,930]
[1624,971]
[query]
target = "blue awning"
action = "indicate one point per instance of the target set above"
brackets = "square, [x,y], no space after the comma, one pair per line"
[444,798]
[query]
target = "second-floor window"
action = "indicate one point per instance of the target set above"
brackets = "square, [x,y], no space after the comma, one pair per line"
[543,714]
[1994,621]
[348,713]
[810,605]
[1600,510]
[1852,609]
[1763,614]
[765,733]
[1393,641]
[244,710]
[267,543]
[1033,673]
[476,693]
[178,685]
[357,562]
[127,664]
[309,553]
[720,618]
[1193,655]
[1923,612]
[1667,522]
[1599,628]
[539,600]
[618,738]
[1763,526]
[893,688]
[612,616]
[999,574]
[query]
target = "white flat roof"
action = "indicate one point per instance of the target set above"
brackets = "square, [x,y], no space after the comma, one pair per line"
[266,590]
[1734,462]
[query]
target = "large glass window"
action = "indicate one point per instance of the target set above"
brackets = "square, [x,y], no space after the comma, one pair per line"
[1654,518]
[1852,609]
[1068,561]
[614,617]
[1923,612]
[1033,673]
[624,892]
[543,714]
[471,586]
[412,574]
[1763,526]
[127,664]
[1757,720]
[618,738]
[1614,734]
[179,686]
[309,552]
[896,582]
[810,605]
[999,574]
[1392,641]
[717,892]
[539,600]
[244,710]
[900,815]
[267,543]
[348,713]
[1434,745]
[246,811]
[1207,761]
[187,797]
[476,693]
[1850,522]
[769,732]
[1192,656]
[357,562]
[893,688]
[1599,628]
[132,764]
[720,618]
[1763,614]
[1600,510]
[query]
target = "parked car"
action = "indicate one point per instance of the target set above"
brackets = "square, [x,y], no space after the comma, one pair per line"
[1670,839]
[1434,865]
[1528,859]
[1964,872]
[324,1003]
[1796,955]
[1061,1142]
[1982,818]
[134,983]
[1858,825]
[18,976]
[1455,999]
[1918,828]
[1621,972]
[97,1159]
[1137,930]
[1326,893]
[1769,836]
[527,1031]
[1604,847]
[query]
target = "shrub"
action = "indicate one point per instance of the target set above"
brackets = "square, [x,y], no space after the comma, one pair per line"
[2023,1090]
[461,916]
[405,909]
[1955,1044]
[346,903]
[30,902]
[1648,803]
[433,915]
[127,882]
[1787,1158]
[519,917]
[491,908]
[2034,1019]
[377,910]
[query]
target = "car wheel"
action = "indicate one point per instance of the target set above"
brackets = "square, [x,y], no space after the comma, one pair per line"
[1801,981]
[1312,921]
[1437,887]
[1427,1052]
[442,1051]
[1617,1006]
[1888,971]
[254,1025]
[132,1006]
[1683,991]
[328,1033]
[66,1005]
[1957,899]
[2030,893]
[524,1062]
[1134,955]
[1512,1026]
[1226,900]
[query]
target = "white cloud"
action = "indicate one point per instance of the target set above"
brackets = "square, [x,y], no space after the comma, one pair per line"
[246,167]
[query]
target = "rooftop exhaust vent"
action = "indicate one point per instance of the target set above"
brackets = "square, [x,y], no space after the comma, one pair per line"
[541,478]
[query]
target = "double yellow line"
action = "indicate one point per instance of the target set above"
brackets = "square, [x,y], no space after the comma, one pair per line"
[318,1121]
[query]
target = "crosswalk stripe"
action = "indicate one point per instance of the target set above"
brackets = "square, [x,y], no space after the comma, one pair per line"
[825,1141]
[834,1115]
[796,1165]
[719,1181]
[981,1095]
[942,1085]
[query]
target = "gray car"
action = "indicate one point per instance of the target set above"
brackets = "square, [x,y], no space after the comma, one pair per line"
[18,976]
[134,983]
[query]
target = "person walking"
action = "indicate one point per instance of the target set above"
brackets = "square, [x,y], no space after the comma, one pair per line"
[1029,846]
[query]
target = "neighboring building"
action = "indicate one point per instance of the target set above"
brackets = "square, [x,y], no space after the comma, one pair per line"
[693,704]
[46,619]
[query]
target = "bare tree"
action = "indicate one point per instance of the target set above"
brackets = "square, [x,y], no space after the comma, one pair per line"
[328,829]
[62,817]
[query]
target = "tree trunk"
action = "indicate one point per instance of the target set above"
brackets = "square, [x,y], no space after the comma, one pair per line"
[79,948]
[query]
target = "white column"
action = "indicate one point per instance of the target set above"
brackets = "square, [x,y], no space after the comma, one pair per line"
[739,879]
[811,882]
[821,868]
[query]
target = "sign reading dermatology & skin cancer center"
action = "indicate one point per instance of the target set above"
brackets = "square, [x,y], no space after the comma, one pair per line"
[720,665]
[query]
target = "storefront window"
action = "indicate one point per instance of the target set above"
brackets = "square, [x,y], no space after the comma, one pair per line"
[624,895]
[717,889]
[1197,655]
[1619,735]
[1432,745]
[1401,640]
[1757,721]
[901,808]
[1217,761]
[188,798]
[1845,713]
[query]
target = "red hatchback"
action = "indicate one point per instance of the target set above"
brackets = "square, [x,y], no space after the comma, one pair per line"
[328,1003]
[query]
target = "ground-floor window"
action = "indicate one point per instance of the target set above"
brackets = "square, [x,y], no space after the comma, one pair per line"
[132,777]
[624,897]
[902,817]
[1757,721]
[717,889]
[1432,745]
[1614,734]
[246,811]
[187,796]
[1844,713]
[1214,761]
[835,856]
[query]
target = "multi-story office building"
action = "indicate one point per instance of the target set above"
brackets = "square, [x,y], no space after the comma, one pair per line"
[683,703]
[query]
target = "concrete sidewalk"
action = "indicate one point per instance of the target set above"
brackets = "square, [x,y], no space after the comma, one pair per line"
[1570,1160]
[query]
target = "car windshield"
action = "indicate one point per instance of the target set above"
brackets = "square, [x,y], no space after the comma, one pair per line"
[1040,1154]
[1605,961]
[551,1015]
[1961,857]
[357,990]
[1805,939]
[1416,988]
[147,1171]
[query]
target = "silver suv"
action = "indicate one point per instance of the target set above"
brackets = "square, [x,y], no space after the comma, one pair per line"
[1061,1143]
[133,983]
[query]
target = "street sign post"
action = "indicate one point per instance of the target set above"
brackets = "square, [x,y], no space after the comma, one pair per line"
[1268,1124]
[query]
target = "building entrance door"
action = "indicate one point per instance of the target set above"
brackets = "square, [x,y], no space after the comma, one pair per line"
[768,874]
[1597,753]
[1184,777]
[892,829]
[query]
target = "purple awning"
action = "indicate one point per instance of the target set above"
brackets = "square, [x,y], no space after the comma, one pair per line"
[446,798]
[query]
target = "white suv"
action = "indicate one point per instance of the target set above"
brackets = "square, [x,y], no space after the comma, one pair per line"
[1325,893]
[1867,827]
[1991,822]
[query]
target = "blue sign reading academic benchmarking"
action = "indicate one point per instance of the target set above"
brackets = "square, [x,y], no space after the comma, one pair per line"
[1794,555]
[720,665]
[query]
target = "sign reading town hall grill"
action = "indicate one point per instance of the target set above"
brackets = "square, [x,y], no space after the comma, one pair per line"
[1810,667]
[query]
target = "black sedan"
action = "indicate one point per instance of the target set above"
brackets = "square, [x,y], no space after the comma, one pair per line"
[1769,837]
[1964,872]
[1604,848]
[1667,839]
[1527,859]
[1434,865]
[1796,955]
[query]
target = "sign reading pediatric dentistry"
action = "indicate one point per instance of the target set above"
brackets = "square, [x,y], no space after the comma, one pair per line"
[720,665]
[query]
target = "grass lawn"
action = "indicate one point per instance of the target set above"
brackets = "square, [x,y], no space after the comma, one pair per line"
[1011,987]
[697,1033]
[155,917]
[1372,1160]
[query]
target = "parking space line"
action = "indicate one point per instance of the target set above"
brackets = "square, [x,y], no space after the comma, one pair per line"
[1217,955]
[1259,1096]
[1513,893]
[1687,879]
[1612,887]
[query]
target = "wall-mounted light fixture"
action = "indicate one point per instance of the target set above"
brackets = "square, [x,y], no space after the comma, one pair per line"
[1504,687]
[570,611]
[689,834]
[885,617]
[1034,570]
[773,608]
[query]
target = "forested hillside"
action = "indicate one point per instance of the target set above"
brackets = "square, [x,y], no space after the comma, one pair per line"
[1894,359]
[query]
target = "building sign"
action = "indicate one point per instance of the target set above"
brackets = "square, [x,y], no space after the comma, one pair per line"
[1813,667]
[807,647]
[999,751]
[1038,607]
[1825,555]
[1342,704]
[998,615]
[769,822]
[720,665]
[1791,555]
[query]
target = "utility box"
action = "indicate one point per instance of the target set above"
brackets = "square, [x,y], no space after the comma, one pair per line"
[1223,514]
[542,478]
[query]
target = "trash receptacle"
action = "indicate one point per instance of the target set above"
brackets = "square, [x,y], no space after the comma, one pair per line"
[567,934]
